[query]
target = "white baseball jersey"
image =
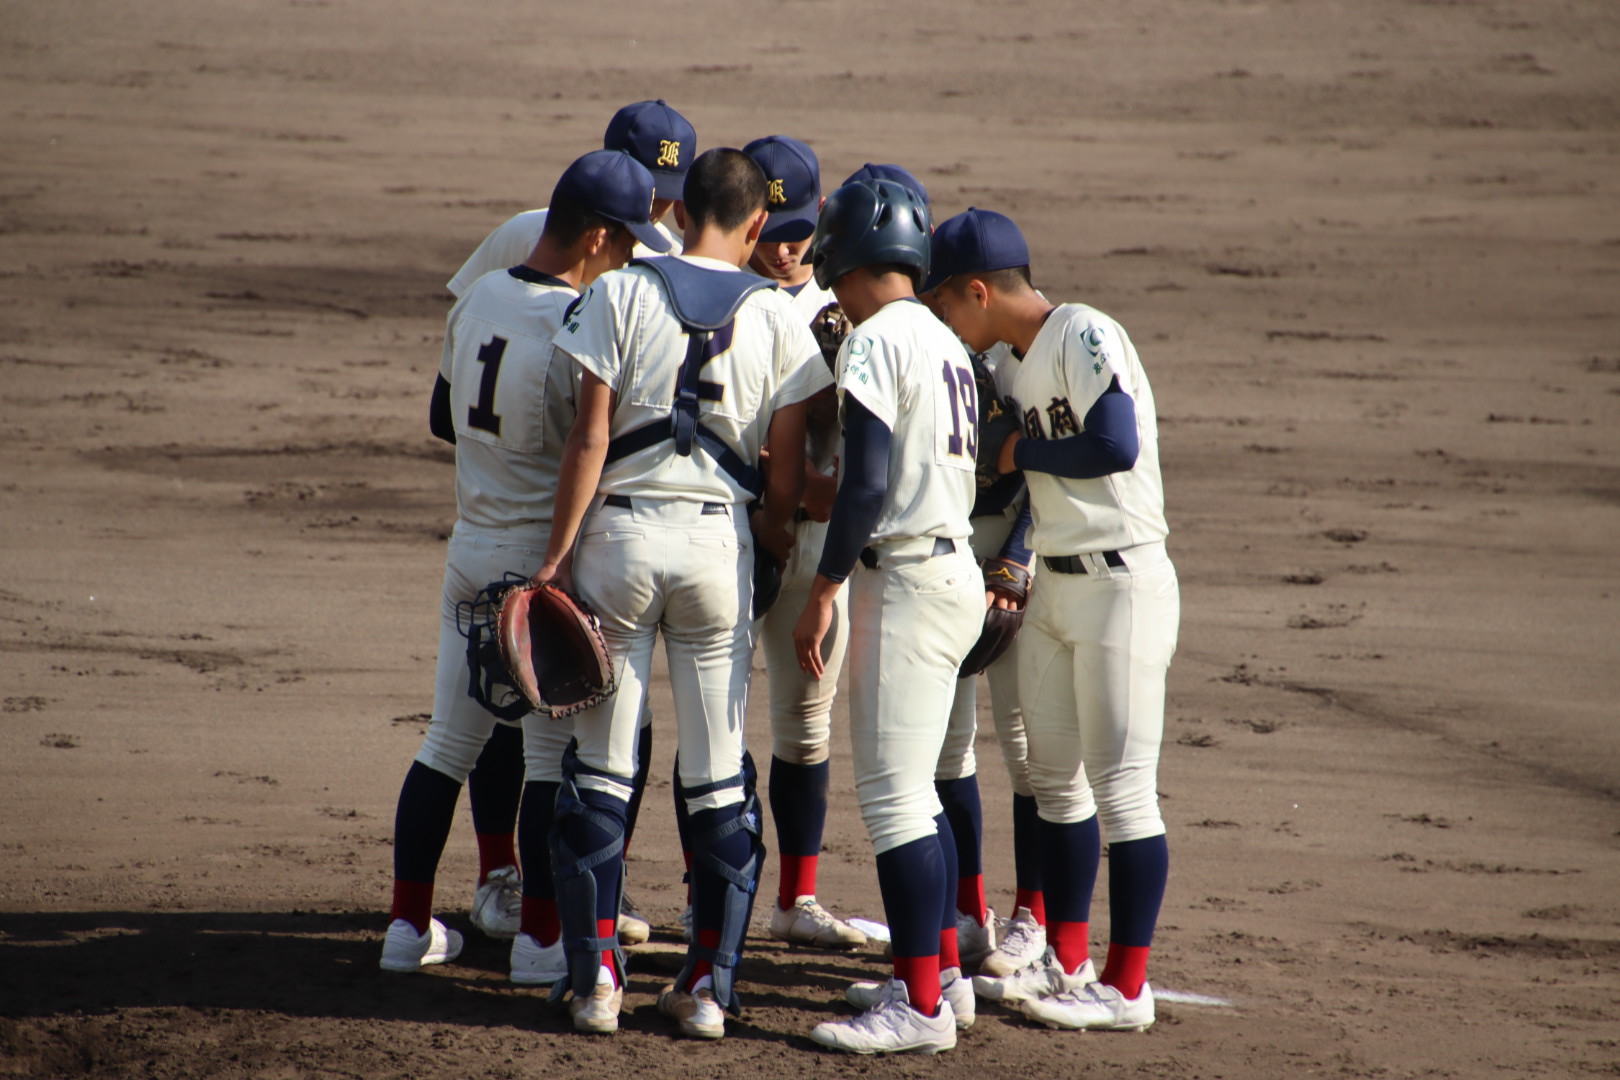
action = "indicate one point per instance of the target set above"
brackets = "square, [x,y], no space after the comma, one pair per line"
[511,397]
[512,242]
[1072,361]
[913,374]
[810,299]
[625,332]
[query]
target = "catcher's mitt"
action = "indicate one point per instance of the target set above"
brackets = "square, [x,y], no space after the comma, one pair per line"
[1001,625]
[552,646]
[831,327]
[996,424]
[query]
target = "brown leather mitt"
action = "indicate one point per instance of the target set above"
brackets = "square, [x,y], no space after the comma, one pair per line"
[1001,625]
[553,648]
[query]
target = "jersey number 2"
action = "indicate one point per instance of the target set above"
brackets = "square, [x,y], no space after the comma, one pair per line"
[483,415]
[964,400]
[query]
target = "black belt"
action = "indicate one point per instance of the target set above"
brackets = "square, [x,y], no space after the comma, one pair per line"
[623,503]
[801,515]
[1076,564]
[942,546]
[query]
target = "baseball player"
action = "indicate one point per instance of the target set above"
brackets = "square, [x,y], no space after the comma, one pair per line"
[506,405]
[909,409]
[689,368]
[1100,631]
[664,142]
[801,706]
[654,134]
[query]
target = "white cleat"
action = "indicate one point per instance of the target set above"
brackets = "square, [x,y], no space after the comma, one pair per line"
[697,1014]
[497,907]
[1022,941]
[808,923]
[1097,1007]
[534,964]
[633,927]
[598,1012]
[1043,978]
[406,950]
[956,990]
[891,1026]
[975,942]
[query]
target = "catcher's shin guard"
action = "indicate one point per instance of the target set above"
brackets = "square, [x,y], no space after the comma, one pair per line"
[578,885]
[741,883]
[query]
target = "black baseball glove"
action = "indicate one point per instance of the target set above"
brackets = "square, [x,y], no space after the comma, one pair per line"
[996,424]
[1009,581]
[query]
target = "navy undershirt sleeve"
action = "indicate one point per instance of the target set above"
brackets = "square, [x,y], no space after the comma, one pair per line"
[1014,550]
[860,495]
[439,421]
[1108,445]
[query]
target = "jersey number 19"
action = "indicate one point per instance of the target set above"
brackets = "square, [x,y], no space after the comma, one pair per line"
[964,411]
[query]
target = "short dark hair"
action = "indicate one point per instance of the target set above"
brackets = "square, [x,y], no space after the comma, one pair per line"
[724,188]
[567,221]
[1014,279]
[879,269]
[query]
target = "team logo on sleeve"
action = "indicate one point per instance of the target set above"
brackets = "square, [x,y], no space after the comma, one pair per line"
[774,193]
[856,367]
[669,154]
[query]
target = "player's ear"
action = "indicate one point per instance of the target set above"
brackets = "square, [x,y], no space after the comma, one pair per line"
[979,293]
[757,226]
[680,214]
[597,240]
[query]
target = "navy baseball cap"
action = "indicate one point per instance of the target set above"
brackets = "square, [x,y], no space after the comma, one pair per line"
[614,185]
[975,240]
[660,138]
[793,194]
[889,172]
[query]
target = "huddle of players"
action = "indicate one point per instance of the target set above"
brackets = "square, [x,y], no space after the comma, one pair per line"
[613,427]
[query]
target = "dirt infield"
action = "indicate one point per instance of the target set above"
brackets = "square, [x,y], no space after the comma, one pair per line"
[1370,255]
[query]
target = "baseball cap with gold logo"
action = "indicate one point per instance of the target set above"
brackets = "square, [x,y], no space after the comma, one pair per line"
[658,137]
[793,191]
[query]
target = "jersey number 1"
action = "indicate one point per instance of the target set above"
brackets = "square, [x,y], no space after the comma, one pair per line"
[964,399]
[483,415]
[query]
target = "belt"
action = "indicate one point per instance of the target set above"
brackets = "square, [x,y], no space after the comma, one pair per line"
[623,502]
[942,546]
[1079,564]
[800,516]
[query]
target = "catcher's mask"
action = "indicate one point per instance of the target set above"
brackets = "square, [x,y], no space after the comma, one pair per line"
[478,620]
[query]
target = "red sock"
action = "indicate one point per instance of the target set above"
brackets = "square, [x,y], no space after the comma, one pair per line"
[495,851]
[921,976]
[1126,969]
[949,955]
[413,902]
[798,879]
[970,898]
[709,939]
[608,928]
[1069,942]
[540,920]
[1035,900]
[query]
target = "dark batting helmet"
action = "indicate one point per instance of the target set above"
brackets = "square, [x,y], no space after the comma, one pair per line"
[867,223]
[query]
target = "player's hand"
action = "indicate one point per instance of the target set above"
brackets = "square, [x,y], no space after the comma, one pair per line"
[771,535]
[812,627]
[819,491]
[560,574]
